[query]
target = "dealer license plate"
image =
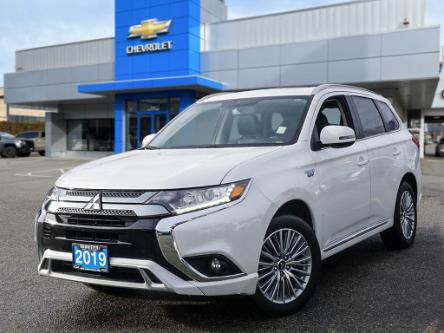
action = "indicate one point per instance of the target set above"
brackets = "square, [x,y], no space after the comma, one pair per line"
[90,257]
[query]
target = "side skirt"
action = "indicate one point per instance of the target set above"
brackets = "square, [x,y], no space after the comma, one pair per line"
[351,237]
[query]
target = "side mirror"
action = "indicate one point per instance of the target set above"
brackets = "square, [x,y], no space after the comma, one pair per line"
[337,136]
[147,140]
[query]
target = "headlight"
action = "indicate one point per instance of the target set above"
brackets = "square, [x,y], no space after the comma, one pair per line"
[185,201]
[20,143]
[53,194]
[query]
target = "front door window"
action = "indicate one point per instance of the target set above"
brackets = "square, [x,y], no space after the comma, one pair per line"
[148,116]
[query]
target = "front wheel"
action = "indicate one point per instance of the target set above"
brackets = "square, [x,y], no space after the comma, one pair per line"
[402,234]
[289,266]
[9,152]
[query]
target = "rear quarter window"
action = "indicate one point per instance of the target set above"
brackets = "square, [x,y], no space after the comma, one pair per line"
[390,121]
[371,121]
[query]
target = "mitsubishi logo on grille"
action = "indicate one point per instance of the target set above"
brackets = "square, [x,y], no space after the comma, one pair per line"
[95,204]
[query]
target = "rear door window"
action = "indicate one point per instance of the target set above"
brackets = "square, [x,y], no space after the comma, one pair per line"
[390,121]
[369,116]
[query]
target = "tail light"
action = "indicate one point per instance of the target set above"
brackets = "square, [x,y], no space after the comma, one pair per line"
[415,141]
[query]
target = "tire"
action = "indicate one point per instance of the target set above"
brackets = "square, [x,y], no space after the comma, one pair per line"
[9,152]
[279,299]
[42,153]
[402,234]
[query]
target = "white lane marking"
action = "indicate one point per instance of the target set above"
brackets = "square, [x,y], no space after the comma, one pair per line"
[29,174]
[40,174]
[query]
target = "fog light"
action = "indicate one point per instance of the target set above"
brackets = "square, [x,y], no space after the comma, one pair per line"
[215,265]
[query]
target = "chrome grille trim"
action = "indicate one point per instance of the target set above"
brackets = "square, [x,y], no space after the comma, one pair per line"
[105,212]
[106,194]
[108,209]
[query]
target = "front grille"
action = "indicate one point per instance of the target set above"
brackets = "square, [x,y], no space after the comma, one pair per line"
[96,220]
[136,242]
[114,274]
[47,231]
[117,194]
[106,212]
[92,236]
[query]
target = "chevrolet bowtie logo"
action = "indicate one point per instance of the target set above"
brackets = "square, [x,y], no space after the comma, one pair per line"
[149,29]
[95,204]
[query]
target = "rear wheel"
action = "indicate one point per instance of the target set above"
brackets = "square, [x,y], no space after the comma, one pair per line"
[402,234]
[289,266]
[42,153]
[9,152]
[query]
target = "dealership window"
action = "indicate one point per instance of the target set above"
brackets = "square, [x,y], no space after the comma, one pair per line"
[148,116]
[90,135]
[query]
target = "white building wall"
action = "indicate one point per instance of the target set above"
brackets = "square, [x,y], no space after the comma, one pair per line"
[66,55]
[347,19]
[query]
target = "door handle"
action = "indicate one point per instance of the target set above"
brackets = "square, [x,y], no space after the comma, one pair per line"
[362,161]
[396,152]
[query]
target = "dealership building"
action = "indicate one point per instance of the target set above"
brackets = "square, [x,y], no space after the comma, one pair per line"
[166,54]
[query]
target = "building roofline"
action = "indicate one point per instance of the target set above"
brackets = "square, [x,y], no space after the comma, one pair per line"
[346,3]
[64,44]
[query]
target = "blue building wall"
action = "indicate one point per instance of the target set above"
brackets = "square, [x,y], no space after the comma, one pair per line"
[182,59]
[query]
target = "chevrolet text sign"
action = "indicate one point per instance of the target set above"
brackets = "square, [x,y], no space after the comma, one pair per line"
[152,47]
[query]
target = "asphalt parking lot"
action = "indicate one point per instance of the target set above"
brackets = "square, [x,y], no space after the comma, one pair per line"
[366,288]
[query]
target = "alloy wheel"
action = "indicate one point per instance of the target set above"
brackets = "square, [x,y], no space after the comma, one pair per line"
[407,214]
[285,266]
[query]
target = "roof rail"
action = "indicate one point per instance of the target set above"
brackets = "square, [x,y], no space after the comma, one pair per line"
[203,99]
[322,87]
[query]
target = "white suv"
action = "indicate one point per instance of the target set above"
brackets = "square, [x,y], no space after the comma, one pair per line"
[243,193]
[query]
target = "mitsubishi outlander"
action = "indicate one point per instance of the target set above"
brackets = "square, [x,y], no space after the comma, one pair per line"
[242,193]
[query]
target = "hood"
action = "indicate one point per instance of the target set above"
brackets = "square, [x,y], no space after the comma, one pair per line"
[159,169]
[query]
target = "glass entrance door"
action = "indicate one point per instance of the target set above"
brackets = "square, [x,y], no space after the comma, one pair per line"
[148,116]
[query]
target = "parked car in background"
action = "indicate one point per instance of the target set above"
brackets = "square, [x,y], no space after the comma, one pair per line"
[440,148]
[11,146]
[35,140]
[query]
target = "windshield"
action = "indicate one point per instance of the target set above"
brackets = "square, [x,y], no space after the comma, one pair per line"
[6,135]
[243,122]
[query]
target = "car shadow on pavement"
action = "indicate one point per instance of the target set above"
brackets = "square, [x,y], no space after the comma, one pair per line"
[359,287]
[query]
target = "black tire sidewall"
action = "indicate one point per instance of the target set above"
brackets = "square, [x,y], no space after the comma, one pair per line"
[9,152]
[295,223]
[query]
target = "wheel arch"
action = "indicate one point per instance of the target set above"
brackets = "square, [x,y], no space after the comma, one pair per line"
[410,179]
[299,208]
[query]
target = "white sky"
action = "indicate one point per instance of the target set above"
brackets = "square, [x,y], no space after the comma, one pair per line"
[30,23]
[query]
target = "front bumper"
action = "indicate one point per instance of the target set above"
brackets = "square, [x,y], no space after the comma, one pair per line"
[151,253]
[152,276]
